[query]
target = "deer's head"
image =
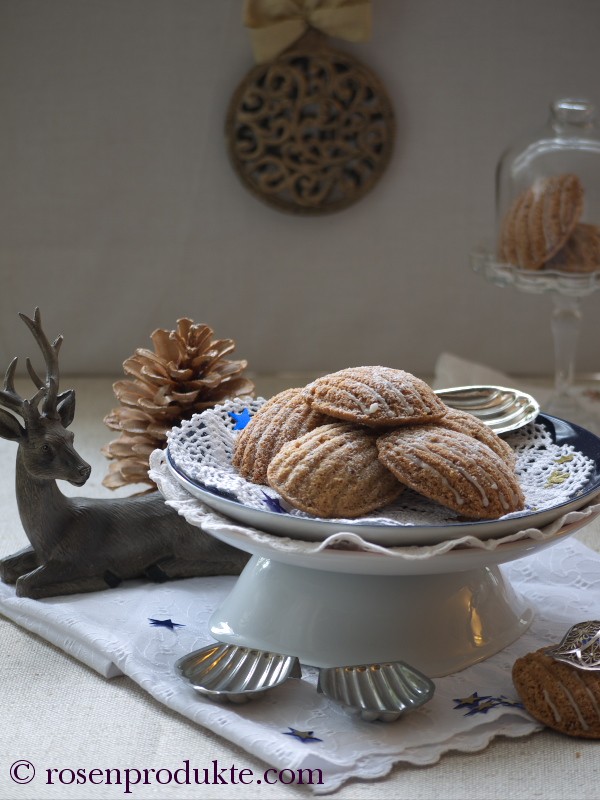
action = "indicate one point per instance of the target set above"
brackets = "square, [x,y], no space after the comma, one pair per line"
[46,446]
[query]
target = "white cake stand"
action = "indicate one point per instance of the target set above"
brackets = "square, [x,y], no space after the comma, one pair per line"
[342,607]
[438,610]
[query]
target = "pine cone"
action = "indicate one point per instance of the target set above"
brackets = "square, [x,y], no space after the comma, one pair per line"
[186,374]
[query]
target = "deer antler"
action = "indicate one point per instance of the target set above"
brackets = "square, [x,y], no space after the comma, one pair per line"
[10,398]
[49,387]
[8,395]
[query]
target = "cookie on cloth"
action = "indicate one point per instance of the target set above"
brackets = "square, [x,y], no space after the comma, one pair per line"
[284,417]
[558,695]
[580,253]
[375,396]
[453,469]
[464,422]
[540,221]
[333,471]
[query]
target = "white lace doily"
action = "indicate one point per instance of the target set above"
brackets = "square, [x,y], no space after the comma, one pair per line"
[202,448]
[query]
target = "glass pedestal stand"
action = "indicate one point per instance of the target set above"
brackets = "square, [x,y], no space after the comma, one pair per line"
[567,291]
[565,324]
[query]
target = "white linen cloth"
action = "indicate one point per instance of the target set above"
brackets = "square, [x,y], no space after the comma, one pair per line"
[111,631]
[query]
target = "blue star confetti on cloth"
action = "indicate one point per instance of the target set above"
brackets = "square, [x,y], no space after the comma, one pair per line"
[302,736]
[481,704]
[274,504]
[241,420]
[165,623]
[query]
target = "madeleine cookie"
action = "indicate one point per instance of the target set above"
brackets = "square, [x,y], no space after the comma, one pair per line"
[540,221]
[284,417]
[562,697]
[333,471]
[464,422]
[375,396]
[452,469]
[581,252]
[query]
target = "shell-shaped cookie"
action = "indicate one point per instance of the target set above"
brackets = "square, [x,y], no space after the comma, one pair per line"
[540,221]
[333,471]
[375,396]
[284,417]
[452,469]
[580,253]
[464,422]
[562,697]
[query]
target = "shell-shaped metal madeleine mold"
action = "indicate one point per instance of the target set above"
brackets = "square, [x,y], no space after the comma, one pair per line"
[501,409]
[378,691]
[231,674]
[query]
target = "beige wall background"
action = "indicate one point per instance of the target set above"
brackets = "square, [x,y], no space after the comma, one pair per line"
[119,211]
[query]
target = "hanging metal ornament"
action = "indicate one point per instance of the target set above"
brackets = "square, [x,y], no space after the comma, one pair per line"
[312,130]
[580,646]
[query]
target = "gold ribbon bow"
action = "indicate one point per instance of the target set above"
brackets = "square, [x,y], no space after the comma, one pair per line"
[276,24]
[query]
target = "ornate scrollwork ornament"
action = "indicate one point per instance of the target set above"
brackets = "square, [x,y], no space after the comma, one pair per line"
[580,647]
[310,131]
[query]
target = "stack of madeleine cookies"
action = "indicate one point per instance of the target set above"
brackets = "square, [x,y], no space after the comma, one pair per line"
[542,229]
[352,441]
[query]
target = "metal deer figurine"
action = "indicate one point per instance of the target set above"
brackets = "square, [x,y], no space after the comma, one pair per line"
[81,544]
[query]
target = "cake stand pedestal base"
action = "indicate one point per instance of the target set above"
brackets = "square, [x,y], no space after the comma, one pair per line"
[439,623]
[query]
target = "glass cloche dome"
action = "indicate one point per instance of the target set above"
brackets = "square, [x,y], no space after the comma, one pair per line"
[548,194]
[547,229]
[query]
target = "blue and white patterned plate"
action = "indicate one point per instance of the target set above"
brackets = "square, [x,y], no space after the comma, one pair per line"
[276,519]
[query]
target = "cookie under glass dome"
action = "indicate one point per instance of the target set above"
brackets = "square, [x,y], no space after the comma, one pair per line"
[547,230]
